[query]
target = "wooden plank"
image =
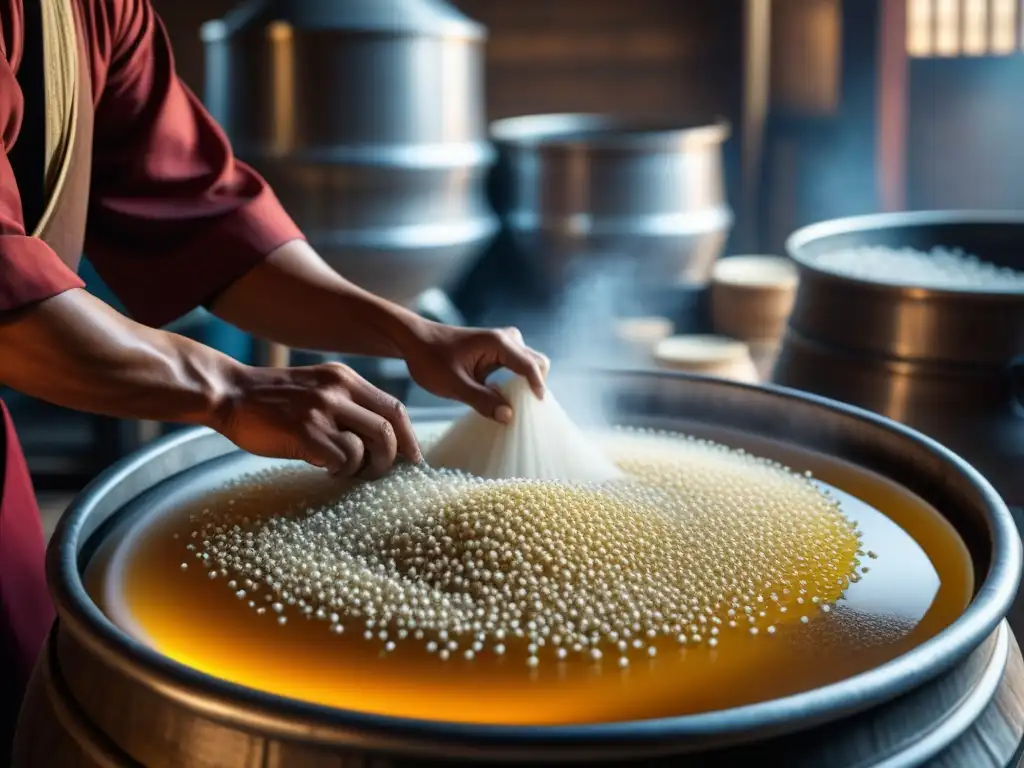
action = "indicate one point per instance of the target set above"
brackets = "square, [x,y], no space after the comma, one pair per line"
[893,97]
[756,97]
[600,47]
[579,14]
[604,91]
[806,55]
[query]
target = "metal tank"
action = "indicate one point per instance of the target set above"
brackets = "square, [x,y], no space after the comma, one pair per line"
[949,363]
[642,194]
[366,117]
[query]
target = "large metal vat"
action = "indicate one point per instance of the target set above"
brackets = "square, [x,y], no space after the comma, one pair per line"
[950,363]
[578,187]
[366,116]
[100,698]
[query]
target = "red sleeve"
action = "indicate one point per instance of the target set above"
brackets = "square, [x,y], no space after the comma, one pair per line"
[174,218]
[29,270]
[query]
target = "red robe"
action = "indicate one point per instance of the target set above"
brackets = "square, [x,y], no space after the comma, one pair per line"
[173,219]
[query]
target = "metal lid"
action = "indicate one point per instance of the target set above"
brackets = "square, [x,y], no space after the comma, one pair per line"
[605,131]
[433,18]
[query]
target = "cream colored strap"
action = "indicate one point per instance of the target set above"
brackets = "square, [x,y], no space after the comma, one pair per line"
[60,62]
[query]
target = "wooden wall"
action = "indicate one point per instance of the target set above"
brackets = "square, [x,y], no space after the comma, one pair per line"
[669,59]
[662,59]
[806,57]
[684,58]
[650,57]
[635,57]
[644,57]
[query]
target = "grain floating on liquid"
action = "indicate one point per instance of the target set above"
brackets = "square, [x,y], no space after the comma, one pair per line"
[940,268]
[696,541]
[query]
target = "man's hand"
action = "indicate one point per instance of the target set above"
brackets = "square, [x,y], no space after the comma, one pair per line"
[455,363]
[326,415]
[75,351]
[294,298]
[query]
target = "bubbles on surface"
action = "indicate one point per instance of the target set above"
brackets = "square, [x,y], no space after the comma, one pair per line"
[940,268]
[694,542]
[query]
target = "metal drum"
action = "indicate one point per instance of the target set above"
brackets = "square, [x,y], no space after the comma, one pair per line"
[648,195]
[366,117]
[100,698]
[946,362]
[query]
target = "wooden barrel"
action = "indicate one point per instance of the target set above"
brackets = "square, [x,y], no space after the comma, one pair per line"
[101,698]
[973,716]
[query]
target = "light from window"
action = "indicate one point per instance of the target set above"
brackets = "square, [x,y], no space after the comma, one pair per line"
[975,29]
[1004,26]
[947,27]
[964,27]
[920,23]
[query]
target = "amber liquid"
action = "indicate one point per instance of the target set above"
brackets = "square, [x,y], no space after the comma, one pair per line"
[920,582]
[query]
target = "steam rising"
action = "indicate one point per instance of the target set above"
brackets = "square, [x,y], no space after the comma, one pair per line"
[541,443]
[576,329]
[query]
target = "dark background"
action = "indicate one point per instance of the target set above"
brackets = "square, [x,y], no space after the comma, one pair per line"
[854,124]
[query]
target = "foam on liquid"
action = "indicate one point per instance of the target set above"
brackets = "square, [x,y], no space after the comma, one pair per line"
[919,583]
[940,268]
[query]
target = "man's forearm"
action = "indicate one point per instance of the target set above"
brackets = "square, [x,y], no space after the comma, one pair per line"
[75,351]
[295,299]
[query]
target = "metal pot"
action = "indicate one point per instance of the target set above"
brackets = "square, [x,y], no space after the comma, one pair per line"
[905,322]
[579,186]
[945,362]
[101,698]
[367,119]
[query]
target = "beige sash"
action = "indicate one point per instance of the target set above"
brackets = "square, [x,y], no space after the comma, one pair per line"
[61,61]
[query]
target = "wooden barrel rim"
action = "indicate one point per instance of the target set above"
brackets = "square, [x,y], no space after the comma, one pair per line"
[985,716]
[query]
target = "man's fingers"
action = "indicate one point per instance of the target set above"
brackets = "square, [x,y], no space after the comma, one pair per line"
[515,334]
[485,400]
[343,385]
[351,446]
[379,441]
[524,362]
[340,453]
[543,361]
[392,410]
[316,448]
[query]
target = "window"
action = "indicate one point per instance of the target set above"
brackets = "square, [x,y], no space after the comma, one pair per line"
[945,28]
